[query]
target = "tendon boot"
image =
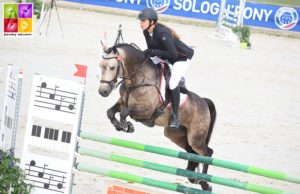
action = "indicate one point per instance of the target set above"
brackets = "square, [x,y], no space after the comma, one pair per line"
[175,97]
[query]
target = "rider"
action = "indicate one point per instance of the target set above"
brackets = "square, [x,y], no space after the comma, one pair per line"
[163,42]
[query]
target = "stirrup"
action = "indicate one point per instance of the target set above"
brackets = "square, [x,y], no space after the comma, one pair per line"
[174,121]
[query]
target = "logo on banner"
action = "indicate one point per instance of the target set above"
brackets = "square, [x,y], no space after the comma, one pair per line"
[159,5]
[17,19]
[286,18]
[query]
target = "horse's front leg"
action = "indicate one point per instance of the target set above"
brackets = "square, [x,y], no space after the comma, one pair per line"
[126,126]
[111,115]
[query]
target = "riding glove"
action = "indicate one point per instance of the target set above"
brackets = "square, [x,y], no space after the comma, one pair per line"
[151,52]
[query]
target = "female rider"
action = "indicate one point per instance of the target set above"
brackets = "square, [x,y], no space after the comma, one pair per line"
[163,42]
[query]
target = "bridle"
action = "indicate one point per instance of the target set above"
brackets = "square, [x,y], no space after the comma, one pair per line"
[113,83]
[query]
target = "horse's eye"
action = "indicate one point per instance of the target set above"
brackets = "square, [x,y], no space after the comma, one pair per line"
[112,68]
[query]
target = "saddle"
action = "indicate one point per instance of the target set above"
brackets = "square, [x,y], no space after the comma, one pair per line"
[165,73]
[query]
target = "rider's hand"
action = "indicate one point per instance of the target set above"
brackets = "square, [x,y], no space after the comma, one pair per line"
[150,52]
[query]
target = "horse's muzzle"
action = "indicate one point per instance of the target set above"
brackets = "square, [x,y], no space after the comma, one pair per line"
[104,92]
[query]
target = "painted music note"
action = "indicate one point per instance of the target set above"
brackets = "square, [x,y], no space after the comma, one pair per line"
[12,89]
[52,96]
[43,85]
[12,76]
[41,174]
[61,184]
[71,106]
[58,107]
[47,185]
[32,163]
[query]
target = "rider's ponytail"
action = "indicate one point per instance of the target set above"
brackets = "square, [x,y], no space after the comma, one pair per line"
[173,32]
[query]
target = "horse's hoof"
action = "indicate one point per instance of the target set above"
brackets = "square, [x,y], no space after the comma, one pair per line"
[124,126]
[119,128]
[205,186]
[192,180]
[130,127]
[117,125]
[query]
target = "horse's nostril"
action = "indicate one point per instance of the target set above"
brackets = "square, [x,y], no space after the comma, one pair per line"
[104,93]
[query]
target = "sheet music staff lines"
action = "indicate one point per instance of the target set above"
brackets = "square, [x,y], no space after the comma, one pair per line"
[56,98]
[61,96]
[46,176]
[44,85]
[43,187]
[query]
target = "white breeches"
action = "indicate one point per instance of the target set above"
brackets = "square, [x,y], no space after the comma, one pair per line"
[178,70]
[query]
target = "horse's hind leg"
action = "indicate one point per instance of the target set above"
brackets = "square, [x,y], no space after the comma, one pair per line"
[197,143]
[179,137]
[209,154]
[204,184]
[191,166]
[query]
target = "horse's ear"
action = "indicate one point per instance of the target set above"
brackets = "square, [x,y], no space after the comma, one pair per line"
[104,47]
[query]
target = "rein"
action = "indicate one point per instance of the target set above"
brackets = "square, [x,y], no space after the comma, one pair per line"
[114,82]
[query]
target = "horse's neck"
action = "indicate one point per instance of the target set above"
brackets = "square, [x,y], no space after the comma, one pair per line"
[141,72]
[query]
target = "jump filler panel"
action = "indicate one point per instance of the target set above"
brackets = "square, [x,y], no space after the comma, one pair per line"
[50,139]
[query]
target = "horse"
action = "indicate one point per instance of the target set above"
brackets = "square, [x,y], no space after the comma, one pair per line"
[139,99]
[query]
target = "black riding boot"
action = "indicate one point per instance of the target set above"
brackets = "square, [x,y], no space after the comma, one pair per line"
[175,97]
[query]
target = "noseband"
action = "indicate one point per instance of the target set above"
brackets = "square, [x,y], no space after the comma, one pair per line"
[113,83]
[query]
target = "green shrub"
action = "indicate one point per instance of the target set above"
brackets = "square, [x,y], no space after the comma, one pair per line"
[243,33]
[12,176]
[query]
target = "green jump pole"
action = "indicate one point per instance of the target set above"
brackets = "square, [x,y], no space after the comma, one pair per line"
[192,157]
[178,171]
[139,179]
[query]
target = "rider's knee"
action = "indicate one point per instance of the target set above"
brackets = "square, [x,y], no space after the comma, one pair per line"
[173,84]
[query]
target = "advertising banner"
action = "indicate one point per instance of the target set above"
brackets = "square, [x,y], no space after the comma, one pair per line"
[255,14]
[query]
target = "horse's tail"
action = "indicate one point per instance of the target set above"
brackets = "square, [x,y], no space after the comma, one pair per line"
[213,116]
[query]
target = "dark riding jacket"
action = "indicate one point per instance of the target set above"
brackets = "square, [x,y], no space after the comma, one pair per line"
[167,47]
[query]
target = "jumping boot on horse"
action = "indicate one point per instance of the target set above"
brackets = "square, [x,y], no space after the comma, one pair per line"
[175,97]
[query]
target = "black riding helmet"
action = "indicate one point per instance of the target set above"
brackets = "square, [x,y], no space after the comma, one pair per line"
[148,14]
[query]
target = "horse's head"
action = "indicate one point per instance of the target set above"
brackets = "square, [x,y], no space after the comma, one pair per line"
[122,60]
[111,68]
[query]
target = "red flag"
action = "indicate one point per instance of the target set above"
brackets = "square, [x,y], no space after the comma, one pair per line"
[81,70]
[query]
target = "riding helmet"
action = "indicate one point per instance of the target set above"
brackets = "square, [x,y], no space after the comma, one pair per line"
[148,13]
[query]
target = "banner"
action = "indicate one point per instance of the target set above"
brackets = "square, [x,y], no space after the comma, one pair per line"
[255,14]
